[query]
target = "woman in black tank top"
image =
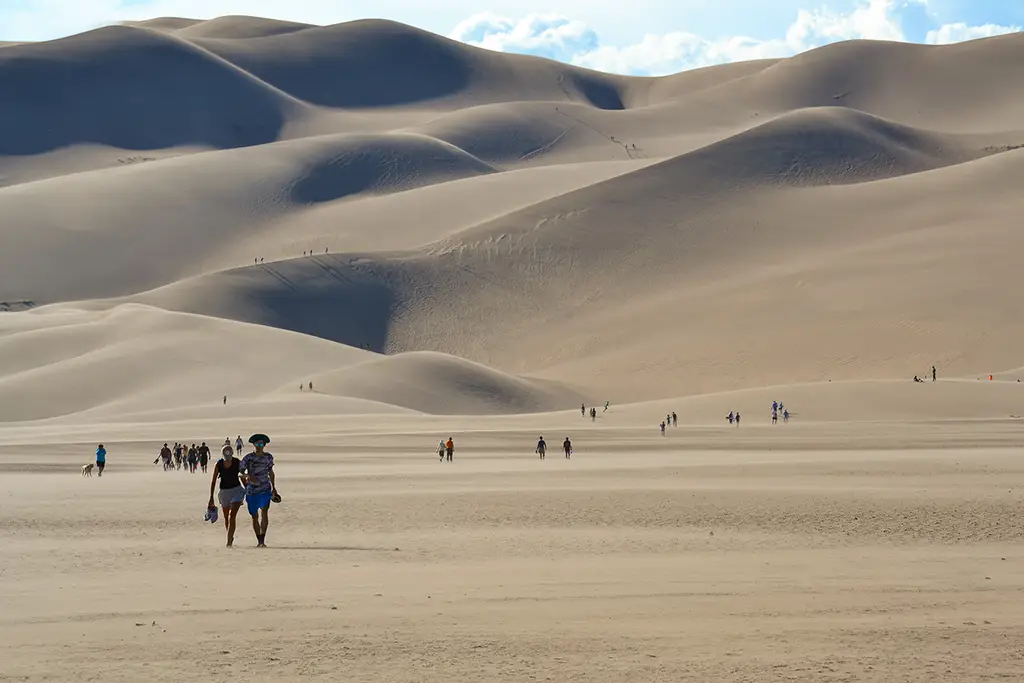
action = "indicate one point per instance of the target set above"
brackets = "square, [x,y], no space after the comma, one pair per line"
[229,473]
[232,493]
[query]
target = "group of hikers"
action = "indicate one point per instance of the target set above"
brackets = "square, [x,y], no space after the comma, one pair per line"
[778,407]
[593,411]
[446,449]
[187,458]
[542,448]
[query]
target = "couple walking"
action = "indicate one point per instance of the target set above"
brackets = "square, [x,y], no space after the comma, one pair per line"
[250,479]
[446,448]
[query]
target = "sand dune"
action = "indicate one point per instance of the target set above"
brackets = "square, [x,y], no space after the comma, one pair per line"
[59,361]
[438,384]
[239,27]
[133,89]
[169,24]
[460,200]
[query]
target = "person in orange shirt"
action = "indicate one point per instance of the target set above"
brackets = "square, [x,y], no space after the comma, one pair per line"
[449,448]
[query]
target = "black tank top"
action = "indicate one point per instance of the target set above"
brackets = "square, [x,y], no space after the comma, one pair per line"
[229,474]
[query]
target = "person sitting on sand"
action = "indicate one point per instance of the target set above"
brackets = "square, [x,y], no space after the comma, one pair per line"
[232,493]
[257,473]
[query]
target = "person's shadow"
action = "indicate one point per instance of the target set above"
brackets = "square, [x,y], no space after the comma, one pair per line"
[336,548]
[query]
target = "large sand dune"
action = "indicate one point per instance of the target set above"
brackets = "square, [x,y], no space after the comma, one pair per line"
[778,221]
[447,241]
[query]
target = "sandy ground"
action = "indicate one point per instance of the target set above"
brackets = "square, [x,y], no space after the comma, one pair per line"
[709,554]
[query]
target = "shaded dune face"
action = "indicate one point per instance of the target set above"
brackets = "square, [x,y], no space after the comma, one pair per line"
[358,65]
[505,226]
[131,89]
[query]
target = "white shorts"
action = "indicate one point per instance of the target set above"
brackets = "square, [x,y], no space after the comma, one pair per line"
[229,497]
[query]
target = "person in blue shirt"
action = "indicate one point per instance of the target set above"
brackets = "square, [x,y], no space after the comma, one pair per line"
[101,459]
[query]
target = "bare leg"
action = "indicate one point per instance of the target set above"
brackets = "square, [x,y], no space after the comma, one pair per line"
[256,526]
[264,523]
[232,516]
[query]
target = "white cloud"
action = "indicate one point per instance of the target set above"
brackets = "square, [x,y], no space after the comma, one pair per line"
[657,54]
[549,36]
[959,32]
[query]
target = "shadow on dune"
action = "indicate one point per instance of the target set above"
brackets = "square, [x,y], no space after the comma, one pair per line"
[326,296]
[133,89]
[367,63]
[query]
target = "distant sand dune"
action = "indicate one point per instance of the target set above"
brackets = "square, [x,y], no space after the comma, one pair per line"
[133,89]
[439,384]
[765,223]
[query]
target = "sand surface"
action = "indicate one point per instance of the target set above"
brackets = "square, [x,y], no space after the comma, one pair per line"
[756,554]
[197,218]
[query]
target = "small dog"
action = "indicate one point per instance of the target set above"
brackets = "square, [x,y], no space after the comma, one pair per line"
[87,470]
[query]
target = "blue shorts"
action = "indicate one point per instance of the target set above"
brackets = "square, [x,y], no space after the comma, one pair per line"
[257,501]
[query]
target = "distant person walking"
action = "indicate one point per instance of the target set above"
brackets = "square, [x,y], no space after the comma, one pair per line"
[663,428]
[225,399]
[165,455]
[257,472]
[239,445]
[567,447]
[101,459]
[542,448]
[934,374]
[204,456]
[606,404]
[440,450]
[583,410]
[675,419]
[311,386]
[232,493]
[737,418]
[785,416]
[449,448]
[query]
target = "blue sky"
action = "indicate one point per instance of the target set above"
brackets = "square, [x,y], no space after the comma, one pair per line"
[648,37]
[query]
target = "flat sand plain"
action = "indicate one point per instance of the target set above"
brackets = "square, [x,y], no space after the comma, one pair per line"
[831,552]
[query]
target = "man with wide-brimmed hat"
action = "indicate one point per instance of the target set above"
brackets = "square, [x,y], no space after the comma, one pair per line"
[257,470]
